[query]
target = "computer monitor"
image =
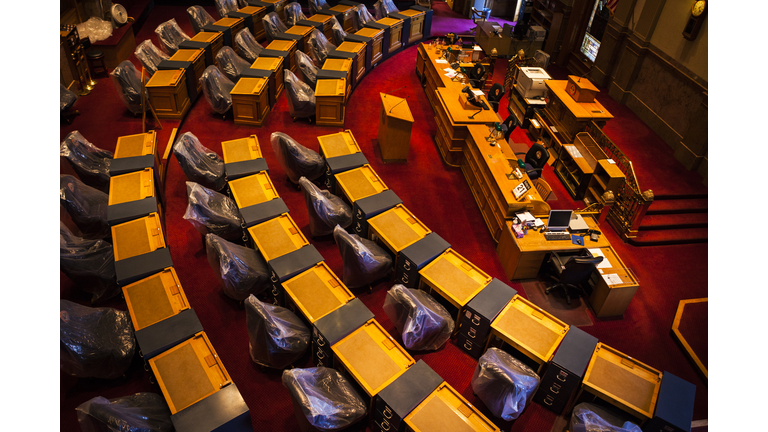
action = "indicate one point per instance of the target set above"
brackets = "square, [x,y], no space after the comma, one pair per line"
[559,220]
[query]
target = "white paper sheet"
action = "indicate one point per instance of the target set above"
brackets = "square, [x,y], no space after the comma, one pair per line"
[612,279]
[599,252]
[441,61]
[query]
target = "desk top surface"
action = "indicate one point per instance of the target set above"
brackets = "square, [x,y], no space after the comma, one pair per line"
[135,145]
[300,30]
[449,96]
[581,110]
[535,241]
[241,149]
[396,107]
[338,144]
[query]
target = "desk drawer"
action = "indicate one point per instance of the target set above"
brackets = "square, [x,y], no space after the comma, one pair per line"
[475,347]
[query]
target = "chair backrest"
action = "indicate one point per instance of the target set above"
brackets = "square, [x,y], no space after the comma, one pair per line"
[477,71]
[273,25]
[338,33]
[199,18]
[247,45]
[319,47]
[537,156]
[230,63]
[293,14]
[316,5]
[579,269]
[170,36]
[362,16]
[226,6]
[308,68]
[216,89]
[543,188]
[511,123]
[496,92]
[150,56]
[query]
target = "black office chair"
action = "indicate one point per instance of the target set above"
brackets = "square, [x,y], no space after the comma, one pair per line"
[301,97]
[216,89]
[477,75]
[150,56]
[571,271]
[339,35]
[316,6]
[224,7]
[170,36]
[127,80]
[535,160]
[308,69]
[362,17]
[231,64]
[319,47]
[67,98]
[494,96]
[273,25]
[511,123]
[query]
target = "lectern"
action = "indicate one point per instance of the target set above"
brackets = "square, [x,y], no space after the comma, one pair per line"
[395,125]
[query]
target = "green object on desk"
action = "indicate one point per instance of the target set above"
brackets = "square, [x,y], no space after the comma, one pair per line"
[520,163]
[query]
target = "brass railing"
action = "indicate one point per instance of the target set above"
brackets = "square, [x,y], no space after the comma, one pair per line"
[630,204]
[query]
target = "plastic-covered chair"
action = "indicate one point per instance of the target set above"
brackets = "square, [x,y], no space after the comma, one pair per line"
[94,342]
[200,165]
[297,161]
[86,206]
[231,64]
[383,8]
[364,261]
[211,212]
[242,269]
[127,81]
[89,162]
[316,6]
[325,209]
[425,325]
[276,336]
[301,97]
[248,46]
[503,383]
[150,56]
[224,7]
[90,264]
[319,47]
[293,14]
[362,16]
[216,89]
[323,399]
[139,412]
[170,36]
[199,18]
[338,33]
[587,417]
[67,99]
[308,69]
[273,25]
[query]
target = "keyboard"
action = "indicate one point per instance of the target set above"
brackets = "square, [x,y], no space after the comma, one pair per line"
[557,235]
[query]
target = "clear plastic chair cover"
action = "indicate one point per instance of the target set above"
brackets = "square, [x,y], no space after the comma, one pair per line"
[150,56]
[216,89]
[248,46]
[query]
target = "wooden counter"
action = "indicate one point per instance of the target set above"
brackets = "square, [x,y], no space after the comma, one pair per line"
[569,116]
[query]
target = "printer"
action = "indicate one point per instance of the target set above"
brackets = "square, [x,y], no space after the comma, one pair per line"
[537,33]
[530,82]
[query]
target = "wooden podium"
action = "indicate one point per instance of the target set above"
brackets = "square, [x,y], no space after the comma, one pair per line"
[395,125]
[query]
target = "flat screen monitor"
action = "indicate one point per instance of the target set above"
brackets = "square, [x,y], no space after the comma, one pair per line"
[559,220]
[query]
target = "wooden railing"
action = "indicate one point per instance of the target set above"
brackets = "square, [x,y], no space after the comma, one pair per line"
[629,203]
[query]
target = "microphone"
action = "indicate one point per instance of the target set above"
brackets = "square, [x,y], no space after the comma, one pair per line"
[385,95]
[390,110]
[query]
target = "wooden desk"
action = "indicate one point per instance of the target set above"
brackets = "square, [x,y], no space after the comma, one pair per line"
[571,117]
[167,92]
[155,298]
[377,40]
[277,237]
[395,34]
[529,330]
[359,183]
[197,58]
[316,292]
[371,357]
[342,65]
[523,257]
[252,190]
[304,32]
[416,32]
[396,229]
[241,149]
[339,144]
[327,23]
[215,40]
[279,6]
[505,46]
[250,101]
[358,49]
[258,13]
[330,95]
[487,170]
[287,46]
[348,12]
[622,381]
[446,410]
[137,237]
[274,64]
[453,281]
[129,187]
[452,121]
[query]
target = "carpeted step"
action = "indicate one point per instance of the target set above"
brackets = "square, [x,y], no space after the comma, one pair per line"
[674,221]
[671,206]
[670,237]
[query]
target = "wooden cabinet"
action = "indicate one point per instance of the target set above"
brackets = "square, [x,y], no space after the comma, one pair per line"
[74,67]
[343,65]
[452,121]
[446,410]
[215,42]
[577,163]
[348,13]
[395,34]
[358,49]
[167,91]
[613,285]
[288,46]
[607,177]
[327,23]
[377,39]
[316,293]
[549,14]
[258,13]
[416,32]
[569,116]
[329,102]
[197,58]
[274,64]
[250,104]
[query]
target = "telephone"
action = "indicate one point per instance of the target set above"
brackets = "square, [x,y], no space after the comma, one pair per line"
[473,100]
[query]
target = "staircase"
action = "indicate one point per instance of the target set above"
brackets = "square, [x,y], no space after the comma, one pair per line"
[674,219]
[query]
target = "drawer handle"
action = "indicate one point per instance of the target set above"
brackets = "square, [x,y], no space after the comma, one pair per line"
[275,292]
[548,399]
[468,343]
[476,320]
[320,354]
[552,388]
[387,411]
[564,377]
[384,422]
[472,333]
[320,341]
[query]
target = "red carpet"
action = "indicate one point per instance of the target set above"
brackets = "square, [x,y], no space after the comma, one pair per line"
[438,195]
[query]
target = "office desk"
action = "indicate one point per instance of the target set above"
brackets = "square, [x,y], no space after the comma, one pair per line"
[523,257]
[452,122]
[486,169]
[505,46]
[622,381]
